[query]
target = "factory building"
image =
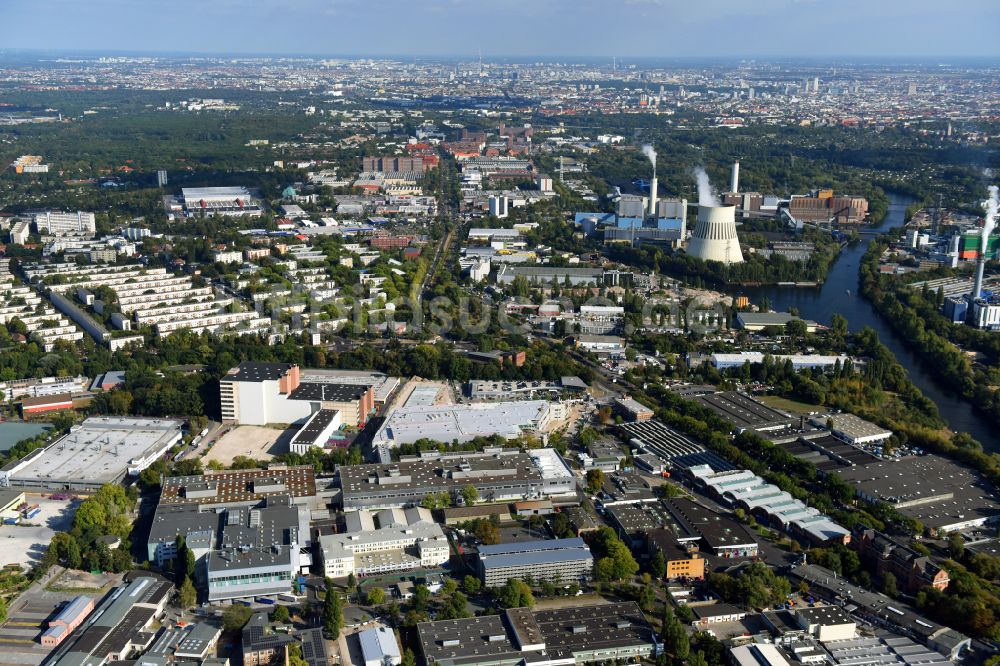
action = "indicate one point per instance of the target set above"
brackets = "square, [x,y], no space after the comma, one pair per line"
[379,647]
[758,321]
[498,476]
[316,432]
[242,550]
[822,207]
[744,489]
[463,423]
[852,429]
[229,201]
[121,625]
[260,393]
[914,570]
[100,450]
[567,636]
[799,361]
[943,495]
[69,618]
[555,560]
[631,409]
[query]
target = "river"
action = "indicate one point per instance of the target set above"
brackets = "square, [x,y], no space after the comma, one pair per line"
[820,303]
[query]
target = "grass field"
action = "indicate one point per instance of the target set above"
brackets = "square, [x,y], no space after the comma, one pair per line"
[786,405]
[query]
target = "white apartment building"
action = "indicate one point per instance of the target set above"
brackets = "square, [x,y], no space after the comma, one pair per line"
[59,223]
[247,322]
[20,232]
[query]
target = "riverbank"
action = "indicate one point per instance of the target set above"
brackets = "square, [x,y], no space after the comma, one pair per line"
[838,295]
[921,325]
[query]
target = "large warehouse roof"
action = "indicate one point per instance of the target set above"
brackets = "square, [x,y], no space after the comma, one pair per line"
[100,450]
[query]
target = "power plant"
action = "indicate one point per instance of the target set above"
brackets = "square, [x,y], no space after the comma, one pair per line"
[714,237]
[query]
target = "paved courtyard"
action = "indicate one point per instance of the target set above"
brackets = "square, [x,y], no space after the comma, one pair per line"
[26,543]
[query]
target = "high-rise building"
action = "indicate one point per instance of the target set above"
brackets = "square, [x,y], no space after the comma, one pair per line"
[499,206]
[161,177]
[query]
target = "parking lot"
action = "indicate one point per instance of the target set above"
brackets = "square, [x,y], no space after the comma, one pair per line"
[256,442]
[27,542]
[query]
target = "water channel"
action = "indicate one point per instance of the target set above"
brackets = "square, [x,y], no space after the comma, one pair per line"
[839,294]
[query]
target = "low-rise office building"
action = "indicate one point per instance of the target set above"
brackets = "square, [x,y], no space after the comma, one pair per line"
[420,544]
[553,560]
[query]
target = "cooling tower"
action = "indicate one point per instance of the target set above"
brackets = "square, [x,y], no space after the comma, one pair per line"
[714,237]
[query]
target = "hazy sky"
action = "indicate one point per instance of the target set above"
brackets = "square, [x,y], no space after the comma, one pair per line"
[594,28]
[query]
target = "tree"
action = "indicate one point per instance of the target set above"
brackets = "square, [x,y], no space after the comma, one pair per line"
[658,564]
[235,616]
[91,514]
[352,582]
[615,560]
[333,612]
[675,636]
[295,657]
[595,481]
[375,596]
[180,560]
[471,585]
[121,561]
[409,659]
[73,558]
[469,494]
[449,587]
[516,594]
[3,609]
[421,598]
[187,596]
[281,614]
[647,597]
[956,546]
[889,587]
[486,532]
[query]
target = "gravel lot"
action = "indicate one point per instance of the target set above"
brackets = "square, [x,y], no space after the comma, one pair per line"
[257,442]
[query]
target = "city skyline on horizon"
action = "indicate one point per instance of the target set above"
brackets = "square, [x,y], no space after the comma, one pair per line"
[632,29]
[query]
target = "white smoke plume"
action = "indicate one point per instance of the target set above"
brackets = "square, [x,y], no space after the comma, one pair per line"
[650,153]
[706,195]
[992,207]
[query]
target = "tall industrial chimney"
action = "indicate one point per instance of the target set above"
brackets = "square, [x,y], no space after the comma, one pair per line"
[734,181]
[652,196]
[977,286]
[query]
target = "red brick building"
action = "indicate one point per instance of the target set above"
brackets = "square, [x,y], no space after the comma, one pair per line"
[912,570]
